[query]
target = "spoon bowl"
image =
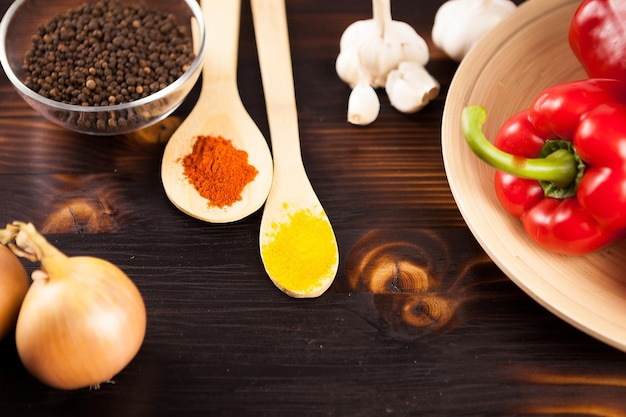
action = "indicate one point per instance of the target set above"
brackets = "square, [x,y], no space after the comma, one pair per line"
[309,256]
[218,112]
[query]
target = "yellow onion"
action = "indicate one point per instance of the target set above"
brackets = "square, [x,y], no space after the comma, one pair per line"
[14,283]
[82,320]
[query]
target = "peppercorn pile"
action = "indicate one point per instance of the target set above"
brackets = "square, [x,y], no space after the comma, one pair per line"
[107,53]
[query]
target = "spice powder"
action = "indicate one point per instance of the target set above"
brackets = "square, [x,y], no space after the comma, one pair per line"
[302,252]
[218,170]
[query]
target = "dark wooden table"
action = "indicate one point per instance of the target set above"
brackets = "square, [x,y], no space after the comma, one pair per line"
[223,341]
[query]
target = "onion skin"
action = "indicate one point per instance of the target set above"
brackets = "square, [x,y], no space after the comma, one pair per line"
[82,320]
[14,283]
[82,328]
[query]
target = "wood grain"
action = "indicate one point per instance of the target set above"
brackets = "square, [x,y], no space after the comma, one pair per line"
[223,341]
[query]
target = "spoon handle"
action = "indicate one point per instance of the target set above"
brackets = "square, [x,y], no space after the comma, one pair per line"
[272,38]
[222,39]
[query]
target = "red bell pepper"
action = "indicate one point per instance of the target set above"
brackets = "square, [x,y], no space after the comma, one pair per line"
[597,36]
[562,164]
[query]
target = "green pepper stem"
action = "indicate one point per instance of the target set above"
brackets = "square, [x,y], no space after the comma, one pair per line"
[559,168]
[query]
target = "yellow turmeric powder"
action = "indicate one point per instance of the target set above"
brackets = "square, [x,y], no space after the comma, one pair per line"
[301,252]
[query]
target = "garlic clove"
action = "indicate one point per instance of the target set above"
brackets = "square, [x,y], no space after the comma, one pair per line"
[410,87]
[352,36]
[459,24]
[347,66]
[363,104]
[409,45]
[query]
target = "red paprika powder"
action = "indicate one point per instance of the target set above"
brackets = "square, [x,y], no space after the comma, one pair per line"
[218,170]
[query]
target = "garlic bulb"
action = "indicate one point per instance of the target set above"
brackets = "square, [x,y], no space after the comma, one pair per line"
[369,50]
[459,24]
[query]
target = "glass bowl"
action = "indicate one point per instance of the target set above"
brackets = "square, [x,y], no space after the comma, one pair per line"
[21,22]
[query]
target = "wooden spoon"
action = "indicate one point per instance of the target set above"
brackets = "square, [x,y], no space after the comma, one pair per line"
[291,191]
[218,112]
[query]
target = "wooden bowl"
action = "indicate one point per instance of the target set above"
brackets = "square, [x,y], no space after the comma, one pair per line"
[523,55]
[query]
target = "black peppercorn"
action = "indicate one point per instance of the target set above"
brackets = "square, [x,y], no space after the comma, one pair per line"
[101,49]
